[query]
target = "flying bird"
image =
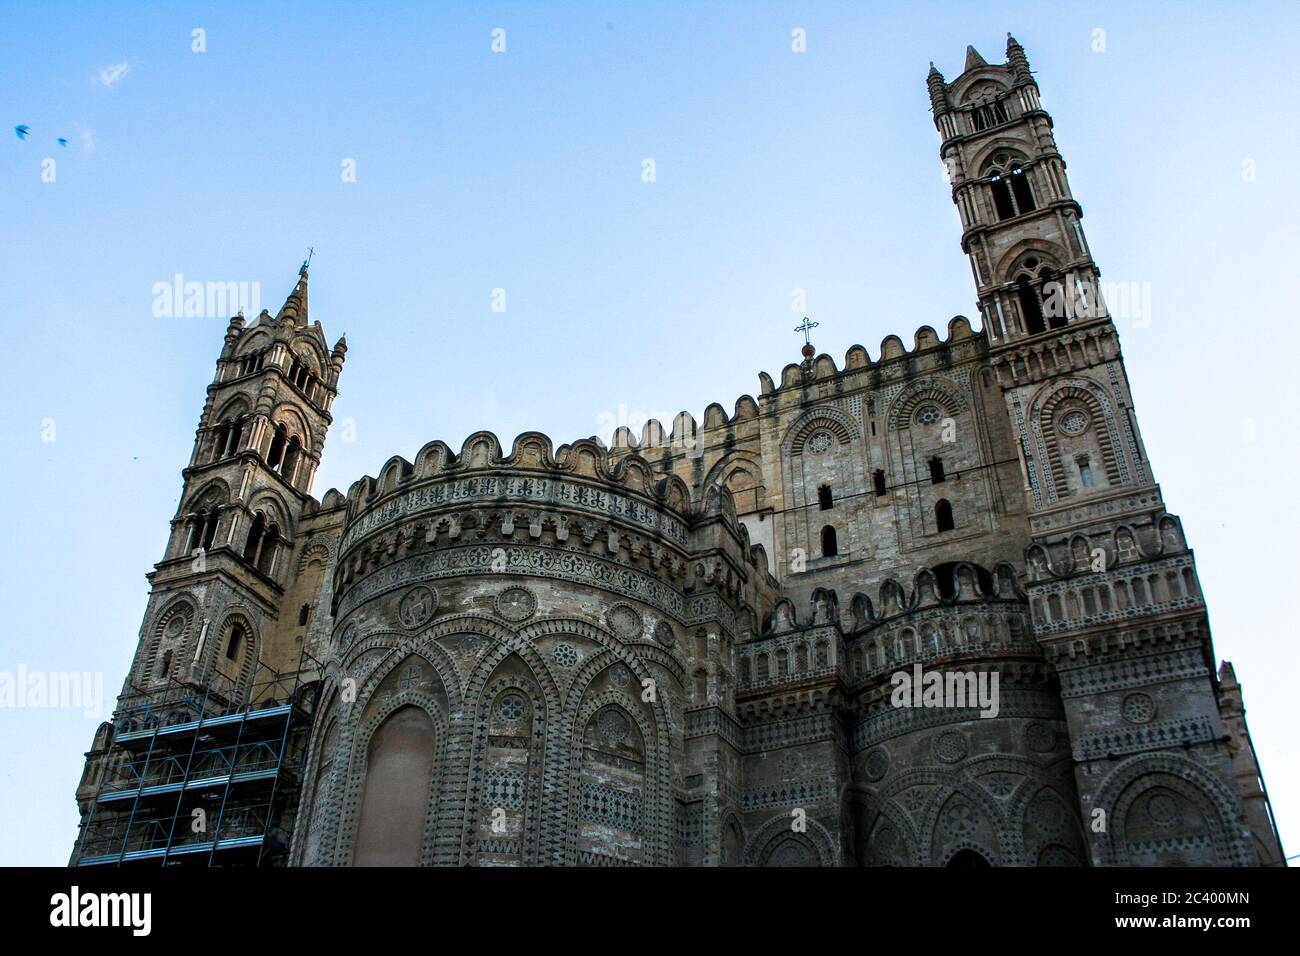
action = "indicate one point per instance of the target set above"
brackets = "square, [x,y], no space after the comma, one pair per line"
[62,141]
[22,131]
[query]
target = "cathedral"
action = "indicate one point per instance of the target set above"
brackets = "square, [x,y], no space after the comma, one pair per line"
[926,608]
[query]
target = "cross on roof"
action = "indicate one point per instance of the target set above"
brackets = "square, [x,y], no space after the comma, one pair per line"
[806,326]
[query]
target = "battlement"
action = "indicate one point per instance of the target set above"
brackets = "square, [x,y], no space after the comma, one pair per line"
[531,451]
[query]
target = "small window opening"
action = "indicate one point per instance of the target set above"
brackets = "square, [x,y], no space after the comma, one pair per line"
[824,499]
[943,515]
[235,643]
[830,546]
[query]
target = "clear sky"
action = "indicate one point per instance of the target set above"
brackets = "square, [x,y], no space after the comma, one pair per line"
[522,171]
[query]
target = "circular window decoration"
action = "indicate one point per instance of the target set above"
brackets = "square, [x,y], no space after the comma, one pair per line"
[624,621]
[512,707]
[1074,422]
[516,604]
[417,606]
[877,764]
[1138,708]
[664,634]
[950,747]
[1163,809]
[928,414]
[620,676]
[565,654]
[820,442]
[1040,737]
[612,726]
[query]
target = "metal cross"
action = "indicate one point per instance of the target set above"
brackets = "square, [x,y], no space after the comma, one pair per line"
[306,263]
[805,327]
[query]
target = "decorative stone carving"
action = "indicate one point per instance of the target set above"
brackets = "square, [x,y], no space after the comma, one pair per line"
[565,654]
[625,622]
[950,746]
[417,606]
[876,764]
[1138,708]
[1039,737]
[516,604]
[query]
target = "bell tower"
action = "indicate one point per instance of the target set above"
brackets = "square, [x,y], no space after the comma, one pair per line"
[1021,226]
[225,637]
[1112,585]
[229,556]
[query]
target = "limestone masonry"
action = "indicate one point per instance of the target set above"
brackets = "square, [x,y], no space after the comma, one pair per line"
[686,648]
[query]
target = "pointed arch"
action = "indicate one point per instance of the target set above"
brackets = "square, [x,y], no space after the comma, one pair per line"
[503,814]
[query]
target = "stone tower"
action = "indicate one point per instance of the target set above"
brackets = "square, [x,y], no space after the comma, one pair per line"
[233,598]
[1111,582]
[256,451]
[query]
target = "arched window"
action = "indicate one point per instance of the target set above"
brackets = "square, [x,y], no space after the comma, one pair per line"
[1020,190]
[252,546]
[830,547]
[236,435]
[878,482]
[220,441]
[395,797]
[988,114]
[1012,194]
[1054,297]
[203,529]
[235,643]
[937,477]
[270,542]
[292,452]
[943,515]
[279,441]
[209,528]
[967,858]
[302,614]
[1002,196]
[824,499]
[1031,307]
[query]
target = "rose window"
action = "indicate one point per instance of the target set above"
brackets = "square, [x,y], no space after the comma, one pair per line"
[928,414]
[1074,422]
[820,442]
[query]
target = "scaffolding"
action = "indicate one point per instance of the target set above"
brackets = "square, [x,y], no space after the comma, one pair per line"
[192,776]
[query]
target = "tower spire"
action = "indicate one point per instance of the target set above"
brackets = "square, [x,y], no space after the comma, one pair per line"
[294,309]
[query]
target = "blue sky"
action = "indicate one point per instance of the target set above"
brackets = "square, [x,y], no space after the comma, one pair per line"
[522,171]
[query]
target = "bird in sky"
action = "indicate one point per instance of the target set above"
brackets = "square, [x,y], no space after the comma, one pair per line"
[22,131]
